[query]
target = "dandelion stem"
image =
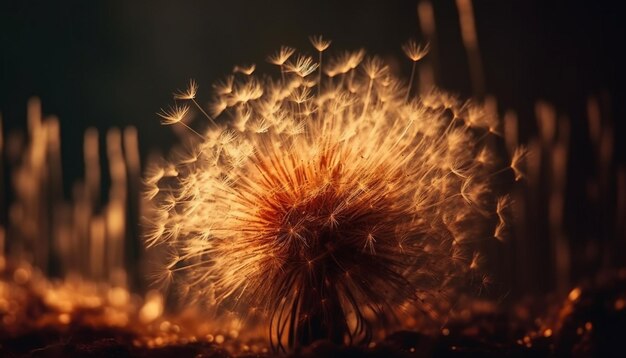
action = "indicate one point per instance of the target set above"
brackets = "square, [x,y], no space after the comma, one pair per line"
[319,77]
[193,130]
[203,112]
[367,98]
[408,90]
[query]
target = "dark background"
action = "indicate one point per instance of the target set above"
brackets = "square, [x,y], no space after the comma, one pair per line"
[116,63]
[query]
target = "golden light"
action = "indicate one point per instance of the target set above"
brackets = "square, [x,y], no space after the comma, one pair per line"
[329,204]
[321,204]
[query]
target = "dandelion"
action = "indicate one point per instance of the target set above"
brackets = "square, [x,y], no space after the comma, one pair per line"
[320,45]
[414,52]
[327,217]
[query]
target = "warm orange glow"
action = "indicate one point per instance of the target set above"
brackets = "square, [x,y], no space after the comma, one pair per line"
[547,332]
[152,308]
[574,294]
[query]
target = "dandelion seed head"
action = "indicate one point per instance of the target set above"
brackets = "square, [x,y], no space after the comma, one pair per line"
[326,212]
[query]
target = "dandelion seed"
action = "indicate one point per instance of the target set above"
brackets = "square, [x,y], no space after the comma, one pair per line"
[301,95]
[354,58]
[173,115]
[151,191]
[218,106]
[319,43]
[303,66]
[225,86]
[516,162]
[246,70]
[374,68]
[247,91]
[189,93]
[414,51]
[369,243]
[280,57]
[485,283]
[501,207]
